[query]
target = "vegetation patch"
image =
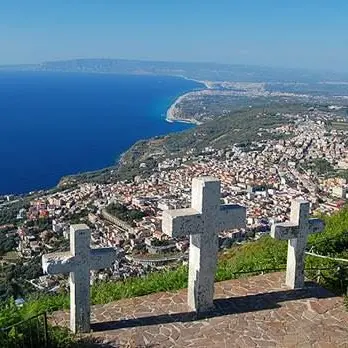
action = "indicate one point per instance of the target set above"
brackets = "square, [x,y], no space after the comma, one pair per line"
[339,125]
[123,213]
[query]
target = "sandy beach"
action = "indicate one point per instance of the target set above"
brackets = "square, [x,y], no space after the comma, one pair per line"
[171,112]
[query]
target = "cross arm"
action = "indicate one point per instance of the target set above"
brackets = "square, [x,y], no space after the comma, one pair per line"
[232,216]
[284,231]
[316,225]
[181,222]
[102,257]
[56,263]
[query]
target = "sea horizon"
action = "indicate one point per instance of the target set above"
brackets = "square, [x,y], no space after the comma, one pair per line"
[57,123]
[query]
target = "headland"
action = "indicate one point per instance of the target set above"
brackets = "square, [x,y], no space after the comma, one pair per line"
[174,114]
[100,106]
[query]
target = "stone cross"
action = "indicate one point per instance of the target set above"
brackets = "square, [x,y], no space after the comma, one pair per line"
[203,221]
[296,232]
[78,262]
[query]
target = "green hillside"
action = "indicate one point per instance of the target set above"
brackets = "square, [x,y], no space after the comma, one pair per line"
[242,126]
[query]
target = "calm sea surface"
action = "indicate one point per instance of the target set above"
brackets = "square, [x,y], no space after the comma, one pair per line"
[53,124]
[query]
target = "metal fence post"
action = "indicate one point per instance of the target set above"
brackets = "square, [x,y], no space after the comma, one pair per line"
[45,330]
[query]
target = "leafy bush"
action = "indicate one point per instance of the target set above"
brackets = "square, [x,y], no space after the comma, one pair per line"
[123,213]
[29,331]
[8,213]
[334,240]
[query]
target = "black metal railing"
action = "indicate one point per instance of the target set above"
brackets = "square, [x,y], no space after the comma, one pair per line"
[29,333]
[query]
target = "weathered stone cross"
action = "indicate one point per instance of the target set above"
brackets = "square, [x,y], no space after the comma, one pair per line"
[296,231]
[78,262]
[203,221]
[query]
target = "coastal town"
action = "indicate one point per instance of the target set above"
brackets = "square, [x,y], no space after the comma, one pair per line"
[217,98]
[304,158]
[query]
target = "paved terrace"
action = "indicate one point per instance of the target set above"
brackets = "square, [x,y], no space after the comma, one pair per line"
[250,312]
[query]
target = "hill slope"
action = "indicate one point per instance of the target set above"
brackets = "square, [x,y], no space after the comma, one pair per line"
[238,127]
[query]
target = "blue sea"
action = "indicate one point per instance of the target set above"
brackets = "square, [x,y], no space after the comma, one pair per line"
[54,124]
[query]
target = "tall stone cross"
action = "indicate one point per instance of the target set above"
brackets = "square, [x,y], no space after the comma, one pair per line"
[203,221]
[78,262]
[296,231]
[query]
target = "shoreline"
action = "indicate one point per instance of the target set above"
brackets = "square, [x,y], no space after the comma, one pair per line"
[170,117]
[170,114]
[206,83]
[172,110]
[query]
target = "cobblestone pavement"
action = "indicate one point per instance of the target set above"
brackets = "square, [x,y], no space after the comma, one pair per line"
[250,312]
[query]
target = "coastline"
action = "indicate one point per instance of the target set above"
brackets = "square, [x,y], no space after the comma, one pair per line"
[203,82]
[172,110]
[169,117]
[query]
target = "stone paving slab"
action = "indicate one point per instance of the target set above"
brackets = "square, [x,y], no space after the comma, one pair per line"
[258,311]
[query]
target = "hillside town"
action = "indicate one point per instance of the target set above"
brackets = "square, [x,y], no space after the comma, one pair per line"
[263,176]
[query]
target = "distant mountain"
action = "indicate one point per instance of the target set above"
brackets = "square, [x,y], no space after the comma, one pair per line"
[199,71]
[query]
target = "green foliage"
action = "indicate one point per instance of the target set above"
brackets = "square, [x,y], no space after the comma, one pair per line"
[334,240]
[343,173]
[29,331]
[38,303]
[13,283]
[8,213]
[321,166]
[24,328]
[62,338]
[99,176]
[264,254]
[158,242]
[76,217]
[6,243]
[9,313]
[154,282]
[41,224]
[123,213]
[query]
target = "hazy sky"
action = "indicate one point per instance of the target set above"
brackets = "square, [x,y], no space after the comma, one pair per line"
[289,33]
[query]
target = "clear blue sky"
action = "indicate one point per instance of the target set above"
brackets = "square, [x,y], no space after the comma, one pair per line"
[289,33]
